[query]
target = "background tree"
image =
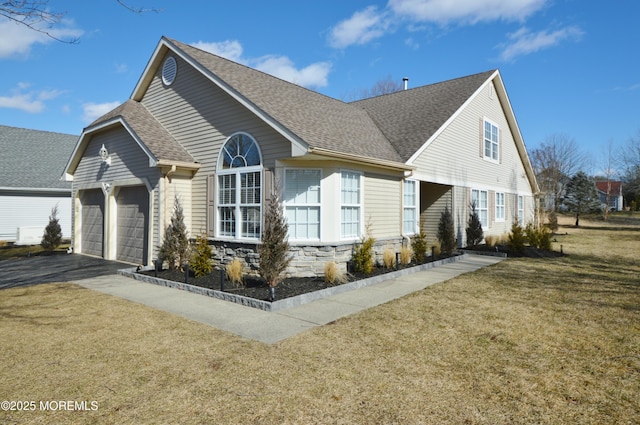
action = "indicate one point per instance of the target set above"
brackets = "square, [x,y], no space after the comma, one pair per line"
[175,245]
[582,196]
[630,161]
[383,86]
[608,161]
[274,250]
[474,227]
[52,237]
[446,232]
[557,158]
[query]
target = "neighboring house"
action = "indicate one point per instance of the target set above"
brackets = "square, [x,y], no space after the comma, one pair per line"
[223,136]
[614,188]
[31,164]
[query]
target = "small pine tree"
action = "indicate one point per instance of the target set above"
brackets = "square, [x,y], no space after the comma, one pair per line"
[363,255]
[419,247]
[446,232]
[274,250]
[474,227]
[52,237]
[175,245]
[201,261]
[517,238]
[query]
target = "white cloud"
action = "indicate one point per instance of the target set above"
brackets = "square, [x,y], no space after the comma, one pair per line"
[464,11]
[524,42]
[32,102]
[17,39]
[93,111]
[314,75]
[360,28]
[229,49]
[371,23]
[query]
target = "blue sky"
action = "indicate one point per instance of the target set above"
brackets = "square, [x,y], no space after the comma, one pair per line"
[570,67]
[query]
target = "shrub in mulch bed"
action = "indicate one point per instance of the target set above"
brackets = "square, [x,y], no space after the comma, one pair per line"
[257,288]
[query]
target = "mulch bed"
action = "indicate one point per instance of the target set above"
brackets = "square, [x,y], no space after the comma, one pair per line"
[255,287]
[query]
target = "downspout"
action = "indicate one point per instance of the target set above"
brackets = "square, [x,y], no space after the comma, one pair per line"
[167,181]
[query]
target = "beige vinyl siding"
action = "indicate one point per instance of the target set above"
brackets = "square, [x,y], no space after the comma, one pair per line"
[383,205]
[454,157]
[202,117]
[128,163]
[433,199]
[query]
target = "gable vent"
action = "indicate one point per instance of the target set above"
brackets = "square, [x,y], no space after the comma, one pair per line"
[169,70]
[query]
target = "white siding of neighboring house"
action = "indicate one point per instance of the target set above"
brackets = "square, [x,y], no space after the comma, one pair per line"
[455,158]
[32,209]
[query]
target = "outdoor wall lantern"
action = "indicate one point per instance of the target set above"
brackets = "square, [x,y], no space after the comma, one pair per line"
[104,155]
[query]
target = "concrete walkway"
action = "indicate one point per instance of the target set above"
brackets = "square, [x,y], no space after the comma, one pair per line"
[271,327]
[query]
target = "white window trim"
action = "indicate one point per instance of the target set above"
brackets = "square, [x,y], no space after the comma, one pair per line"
[238,191]
[478,209]
[318,205]
[414,207]
[497,206]
[360,205]
[484,154]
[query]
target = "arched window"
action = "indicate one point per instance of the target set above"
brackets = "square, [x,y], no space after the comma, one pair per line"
[240,188]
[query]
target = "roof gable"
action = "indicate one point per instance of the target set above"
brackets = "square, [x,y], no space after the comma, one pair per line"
[33,159]
[615,187]
[152,138]
[409,118]
[305,117]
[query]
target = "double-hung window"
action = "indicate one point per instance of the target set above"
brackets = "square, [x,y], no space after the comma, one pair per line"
[351,204]
[240,188]
[410,207]
[302,203]
[480,198]
[491,141]
[500,207]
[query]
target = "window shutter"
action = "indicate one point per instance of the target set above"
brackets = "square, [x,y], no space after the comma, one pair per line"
[211,205]
[481,138]
[500,146]
[491,204]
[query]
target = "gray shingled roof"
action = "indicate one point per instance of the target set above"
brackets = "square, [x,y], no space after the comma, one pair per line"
[409,118]
[390,127]
[320,121]
[158,140]
[34,159]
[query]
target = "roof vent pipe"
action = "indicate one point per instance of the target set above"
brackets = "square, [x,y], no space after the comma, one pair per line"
[405,80]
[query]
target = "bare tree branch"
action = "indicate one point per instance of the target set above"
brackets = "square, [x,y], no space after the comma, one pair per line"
[35,15]
[138,9]
[556,160]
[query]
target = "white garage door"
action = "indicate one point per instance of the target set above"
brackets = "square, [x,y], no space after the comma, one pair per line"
[133,224]
[92,221]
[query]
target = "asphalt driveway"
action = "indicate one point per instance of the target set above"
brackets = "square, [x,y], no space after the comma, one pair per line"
[54,268]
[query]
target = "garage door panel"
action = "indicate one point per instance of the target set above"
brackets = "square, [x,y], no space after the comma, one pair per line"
[133,224]
[92,237]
